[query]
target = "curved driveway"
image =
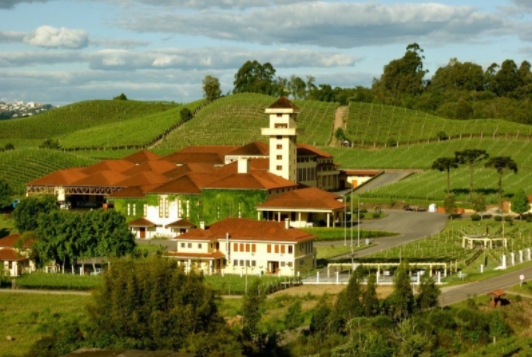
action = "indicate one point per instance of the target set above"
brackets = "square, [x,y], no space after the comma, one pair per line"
[412,226]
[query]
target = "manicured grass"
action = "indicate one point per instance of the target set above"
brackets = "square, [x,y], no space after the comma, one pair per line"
[334,234]
[236,285]
[326,252]
[58,281]
[28,317]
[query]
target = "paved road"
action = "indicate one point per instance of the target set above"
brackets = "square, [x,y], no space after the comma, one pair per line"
[411,225]
[383,180]
[454,294]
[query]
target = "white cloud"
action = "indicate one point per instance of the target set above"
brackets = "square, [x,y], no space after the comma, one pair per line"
[118,43]
[51,37]
[341,25]
[187,58]
[9,4]
[11,36]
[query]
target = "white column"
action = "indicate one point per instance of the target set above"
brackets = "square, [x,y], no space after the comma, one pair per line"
[481,268]
[258,216]
[337,277]
[318,277]
[520,256]
[528,252]
[328,220]
[378,276]
[210,267]
[504,261]
[189,265]
[299,217]
[278,216]
[512,258]
[418,278]
[439,277]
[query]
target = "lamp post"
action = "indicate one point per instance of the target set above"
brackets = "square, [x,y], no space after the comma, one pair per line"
[345,221]
[358,223]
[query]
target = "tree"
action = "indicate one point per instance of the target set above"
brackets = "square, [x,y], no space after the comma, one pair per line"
[211,88]
[449,205]
[370,300]
[153,305]
[30,208]
[294,316]
[320,318]
[115,238]
[501,164]
[404,75]
[348,305]
[9,146]
[507,78]
[254,77]
[122,96]
[185,114]
[297,87]
[5,193]
[49,144]
[428,293]
[402,299]
[471,157]
[520,204]
[446,164]
[458,76]
[251,304]
[479,204]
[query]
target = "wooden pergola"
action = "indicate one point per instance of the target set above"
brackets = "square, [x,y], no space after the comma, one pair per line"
[487,241]
[72,190]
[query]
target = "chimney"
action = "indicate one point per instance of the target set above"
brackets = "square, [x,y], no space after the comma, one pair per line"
[202,225]
[287,223]
[243,166]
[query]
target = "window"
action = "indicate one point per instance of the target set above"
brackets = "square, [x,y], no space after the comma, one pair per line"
[277,248]
[134,209]
[279,146]
[190,245]
[269,248]
[145,210]
[178,207]
[283,249]
[279,157]
[161,207]
[248,263]
[242,247]
[279,137]
[235,263]
[281,126]
[242,262]
[253,248]
[289,264]
[166,210]
[283,264]
[279,167]
[247,248]
[182,245]
[279,115]
[290,249]
[235,247]
[199,245]
[129,209]
[253,263]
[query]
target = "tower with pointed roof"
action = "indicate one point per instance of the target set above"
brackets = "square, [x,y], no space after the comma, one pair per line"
[283,138]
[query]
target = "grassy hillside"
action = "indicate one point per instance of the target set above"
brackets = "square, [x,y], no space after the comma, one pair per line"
[237,119]
[132,132]
[430,185]
[60,122]
[375,124]
[21,166]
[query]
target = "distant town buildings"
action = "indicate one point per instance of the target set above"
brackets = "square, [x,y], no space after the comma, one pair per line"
[22,109]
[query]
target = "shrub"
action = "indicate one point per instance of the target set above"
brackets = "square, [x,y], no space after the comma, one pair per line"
[391,142]
[475,217]
[529,218]
[508,218]
[442,136]
[376,215]
[498,218]
[122,96]
[9,146]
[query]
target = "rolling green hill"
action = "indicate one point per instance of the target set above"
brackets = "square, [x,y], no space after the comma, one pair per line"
[61,122]
[133,132]
[21,166]
[377,125]
[237,119]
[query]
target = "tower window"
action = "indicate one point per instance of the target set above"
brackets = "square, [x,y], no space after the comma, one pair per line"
[279,167]
[279,137]
[279,157]
[279,146]
[279,115]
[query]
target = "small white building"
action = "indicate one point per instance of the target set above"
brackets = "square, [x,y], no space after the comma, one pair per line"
[15,261]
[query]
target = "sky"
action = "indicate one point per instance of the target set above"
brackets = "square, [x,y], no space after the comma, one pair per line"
[59,52]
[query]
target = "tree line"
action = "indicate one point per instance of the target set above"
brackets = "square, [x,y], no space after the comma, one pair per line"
[67,237]
[459,90]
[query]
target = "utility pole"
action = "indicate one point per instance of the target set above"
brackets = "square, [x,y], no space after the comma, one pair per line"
[345,221]
[358,224]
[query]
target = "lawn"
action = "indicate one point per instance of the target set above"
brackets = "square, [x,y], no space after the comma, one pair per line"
[236,285]
[335,234]
[326,252]
[58,281]
[28,317]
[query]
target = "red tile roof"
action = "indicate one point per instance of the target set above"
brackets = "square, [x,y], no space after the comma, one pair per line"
[141,222]
[182,223]
[306,198]
[209,149]
[304,149]
[256,148]
[132,192]
[142,156]
[145,178]
[159,167]
[59,178]
[101,178]
[216,255]
[255,180]
[247,229]
[11,255]
[109,165]
[190,183]
[179,158]
[283,103]
[193,167]
[9,241]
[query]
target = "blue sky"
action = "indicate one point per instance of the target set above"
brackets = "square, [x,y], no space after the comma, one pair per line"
[59,52]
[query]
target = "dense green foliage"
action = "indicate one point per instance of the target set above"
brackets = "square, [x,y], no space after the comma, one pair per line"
[254,77]
[520,203]
[5,193]
[48,281]
[30,209]
[211,88]
[237,120]
[60,122]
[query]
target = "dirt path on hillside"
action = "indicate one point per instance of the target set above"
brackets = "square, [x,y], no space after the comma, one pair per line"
[339,115]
